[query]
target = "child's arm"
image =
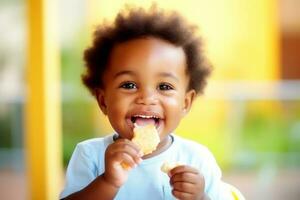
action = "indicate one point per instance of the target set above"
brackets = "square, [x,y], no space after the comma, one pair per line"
[187,183]
[106,186]
[97,189]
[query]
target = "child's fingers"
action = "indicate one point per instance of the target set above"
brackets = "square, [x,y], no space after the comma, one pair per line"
[185,187]
[187,180]
[184,177]
[183,168]
[182,195]
[125,160]
[127,143]
[124,147]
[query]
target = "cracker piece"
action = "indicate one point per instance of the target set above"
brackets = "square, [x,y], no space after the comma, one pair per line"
[146,137]
[168,166]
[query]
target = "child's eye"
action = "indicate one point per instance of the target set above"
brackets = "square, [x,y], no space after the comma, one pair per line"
[165,86]
[128,85]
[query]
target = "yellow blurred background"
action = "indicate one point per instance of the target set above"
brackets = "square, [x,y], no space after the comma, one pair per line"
[249,115]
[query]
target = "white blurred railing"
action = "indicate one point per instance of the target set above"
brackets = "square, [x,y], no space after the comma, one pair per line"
[254,90]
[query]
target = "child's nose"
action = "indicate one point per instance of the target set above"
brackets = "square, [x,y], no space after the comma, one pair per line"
[147,97]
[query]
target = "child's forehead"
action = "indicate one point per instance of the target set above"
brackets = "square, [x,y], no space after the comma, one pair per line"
[147,57]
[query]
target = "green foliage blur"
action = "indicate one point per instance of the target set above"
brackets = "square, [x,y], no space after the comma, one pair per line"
[76,104]
[271,134]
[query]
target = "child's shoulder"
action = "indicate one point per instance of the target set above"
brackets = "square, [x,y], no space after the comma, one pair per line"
[95,143]
[191,146]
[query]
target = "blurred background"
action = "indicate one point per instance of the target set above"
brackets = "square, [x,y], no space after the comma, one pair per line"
[249,115]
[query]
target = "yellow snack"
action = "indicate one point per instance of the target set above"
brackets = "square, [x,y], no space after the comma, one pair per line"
[146,137]
[168,166]
[125,166]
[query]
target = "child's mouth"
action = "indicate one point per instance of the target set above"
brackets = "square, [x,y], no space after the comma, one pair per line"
[143,120]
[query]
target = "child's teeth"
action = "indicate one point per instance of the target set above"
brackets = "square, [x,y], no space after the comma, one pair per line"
[145,116]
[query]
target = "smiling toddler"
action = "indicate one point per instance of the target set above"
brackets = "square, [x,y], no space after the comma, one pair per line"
[145,68]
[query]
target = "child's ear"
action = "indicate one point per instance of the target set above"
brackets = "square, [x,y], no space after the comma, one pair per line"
[188,101]
[101,100]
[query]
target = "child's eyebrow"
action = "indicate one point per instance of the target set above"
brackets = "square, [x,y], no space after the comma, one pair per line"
[169,75]
[162,74]
[125,72]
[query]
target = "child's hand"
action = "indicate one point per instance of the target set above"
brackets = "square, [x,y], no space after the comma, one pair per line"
[121,153]
[187,183]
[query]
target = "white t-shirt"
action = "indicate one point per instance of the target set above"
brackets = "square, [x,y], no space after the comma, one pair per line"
[146,181]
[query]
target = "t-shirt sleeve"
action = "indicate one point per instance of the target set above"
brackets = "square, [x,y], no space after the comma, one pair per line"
[215,188]
[80,172]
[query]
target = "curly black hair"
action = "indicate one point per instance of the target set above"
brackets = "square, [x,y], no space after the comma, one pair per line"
[133,23]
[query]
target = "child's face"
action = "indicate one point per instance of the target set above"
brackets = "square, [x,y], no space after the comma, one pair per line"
[145,82]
